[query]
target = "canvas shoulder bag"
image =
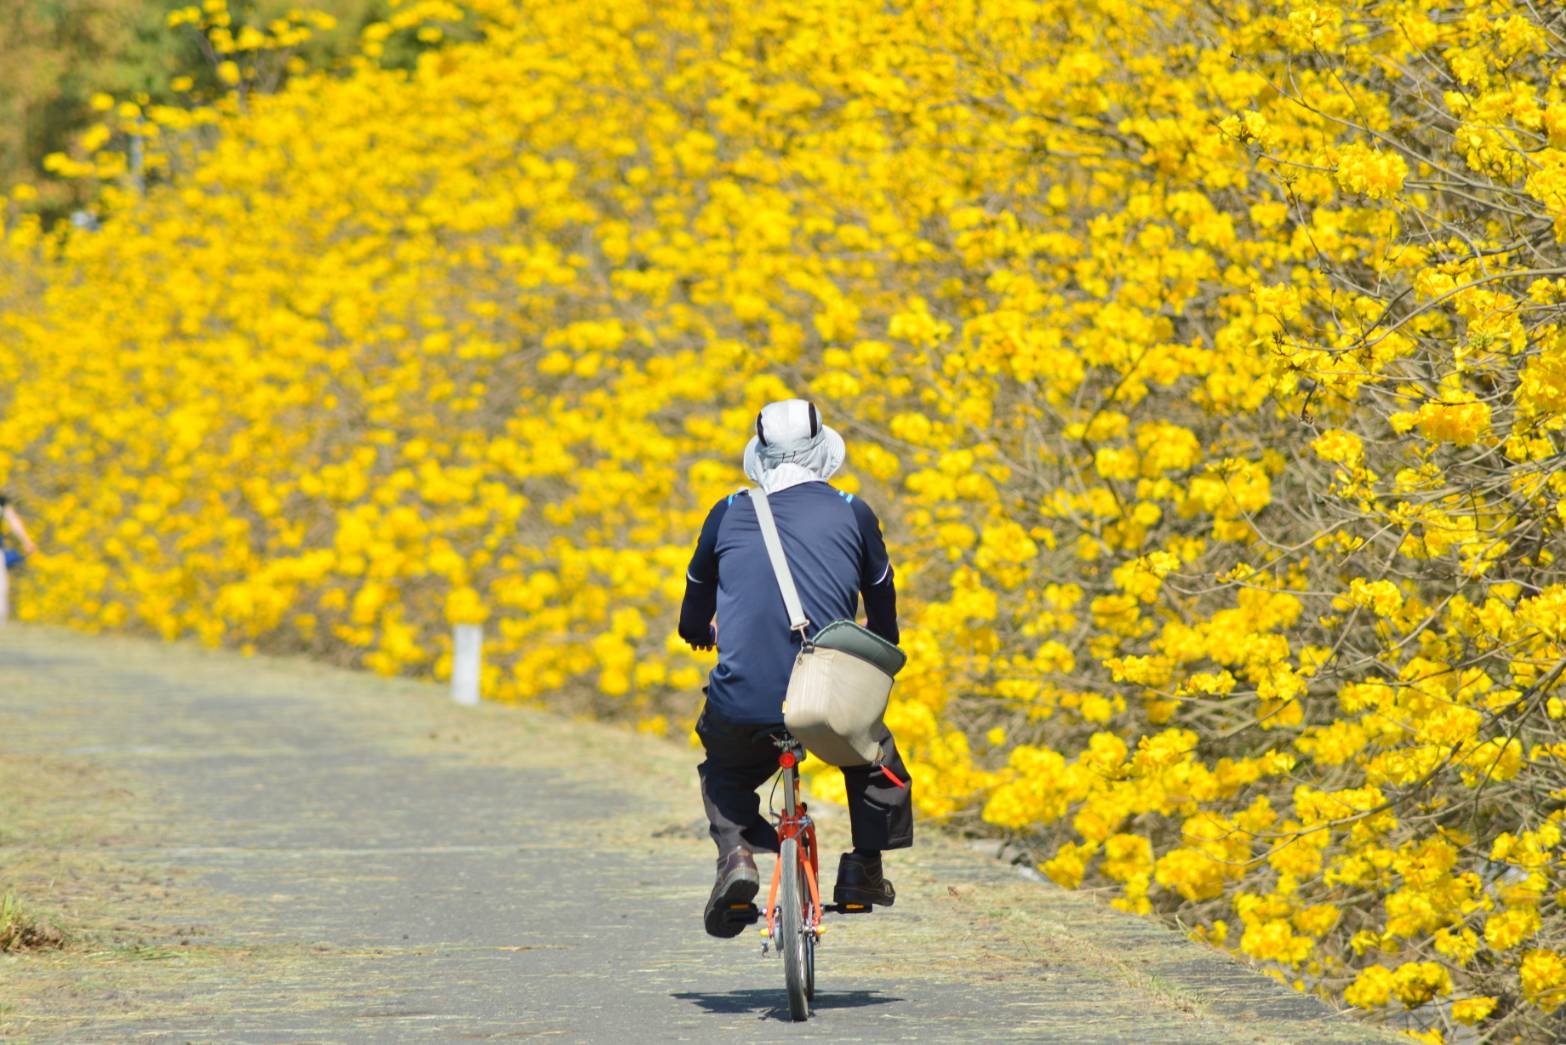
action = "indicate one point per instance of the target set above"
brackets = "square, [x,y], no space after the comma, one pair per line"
[842,676]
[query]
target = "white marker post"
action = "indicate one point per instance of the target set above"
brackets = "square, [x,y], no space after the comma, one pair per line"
[467,643]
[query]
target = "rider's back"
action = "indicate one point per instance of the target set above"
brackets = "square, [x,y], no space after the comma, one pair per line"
[834,548]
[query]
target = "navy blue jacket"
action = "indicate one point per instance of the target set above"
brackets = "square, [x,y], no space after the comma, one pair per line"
[835,551]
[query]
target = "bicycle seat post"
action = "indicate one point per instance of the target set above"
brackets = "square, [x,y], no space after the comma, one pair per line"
[781,739]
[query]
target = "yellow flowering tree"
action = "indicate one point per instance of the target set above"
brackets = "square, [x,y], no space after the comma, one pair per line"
[1206,362]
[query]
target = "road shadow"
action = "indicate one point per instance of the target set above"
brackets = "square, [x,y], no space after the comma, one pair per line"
[772,1003]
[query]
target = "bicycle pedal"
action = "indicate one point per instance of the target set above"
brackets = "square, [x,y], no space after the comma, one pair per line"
[852,908]
[742,914]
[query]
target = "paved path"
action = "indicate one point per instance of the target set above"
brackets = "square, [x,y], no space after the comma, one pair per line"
[262,850]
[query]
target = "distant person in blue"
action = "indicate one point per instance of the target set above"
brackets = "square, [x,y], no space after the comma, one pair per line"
[836,554]
[10,557]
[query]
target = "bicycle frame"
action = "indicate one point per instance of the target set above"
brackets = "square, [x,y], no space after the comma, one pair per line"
[795,822]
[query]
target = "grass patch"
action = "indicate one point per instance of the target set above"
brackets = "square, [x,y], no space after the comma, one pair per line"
[137,952]
[21,930]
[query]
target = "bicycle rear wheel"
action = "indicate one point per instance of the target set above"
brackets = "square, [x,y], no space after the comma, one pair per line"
[810,962]
[810,937]
[797,938]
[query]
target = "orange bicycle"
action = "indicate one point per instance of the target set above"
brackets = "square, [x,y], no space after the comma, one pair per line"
[794,908]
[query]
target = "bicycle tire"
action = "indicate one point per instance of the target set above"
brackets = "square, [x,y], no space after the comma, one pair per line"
[810,965]
[810,937]
[791,926]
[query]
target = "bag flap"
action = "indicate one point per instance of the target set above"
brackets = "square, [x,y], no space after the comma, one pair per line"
[857,641]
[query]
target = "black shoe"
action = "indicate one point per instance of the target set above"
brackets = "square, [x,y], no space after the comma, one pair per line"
[859,881]
[733,892]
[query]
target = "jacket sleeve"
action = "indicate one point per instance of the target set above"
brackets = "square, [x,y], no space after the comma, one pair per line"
[875,575]
[701,582]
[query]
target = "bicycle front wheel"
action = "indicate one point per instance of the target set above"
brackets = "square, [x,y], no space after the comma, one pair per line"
[797,937]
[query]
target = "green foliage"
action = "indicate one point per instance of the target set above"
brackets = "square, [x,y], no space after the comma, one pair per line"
[55,55]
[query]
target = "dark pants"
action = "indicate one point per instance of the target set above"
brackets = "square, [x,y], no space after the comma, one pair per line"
[879,812]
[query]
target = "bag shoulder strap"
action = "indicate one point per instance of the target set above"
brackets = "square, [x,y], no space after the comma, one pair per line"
[797,621]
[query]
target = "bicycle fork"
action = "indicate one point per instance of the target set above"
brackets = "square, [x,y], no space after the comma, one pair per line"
[795,822]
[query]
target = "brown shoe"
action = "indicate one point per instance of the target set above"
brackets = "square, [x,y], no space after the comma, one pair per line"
[859,881]
[732,894]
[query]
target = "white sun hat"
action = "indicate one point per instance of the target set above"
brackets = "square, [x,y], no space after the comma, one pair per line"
[792,446]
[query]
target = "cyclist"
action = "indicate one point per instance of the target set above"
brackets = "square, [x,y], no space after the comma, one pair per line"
[9,557]
[835,551]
